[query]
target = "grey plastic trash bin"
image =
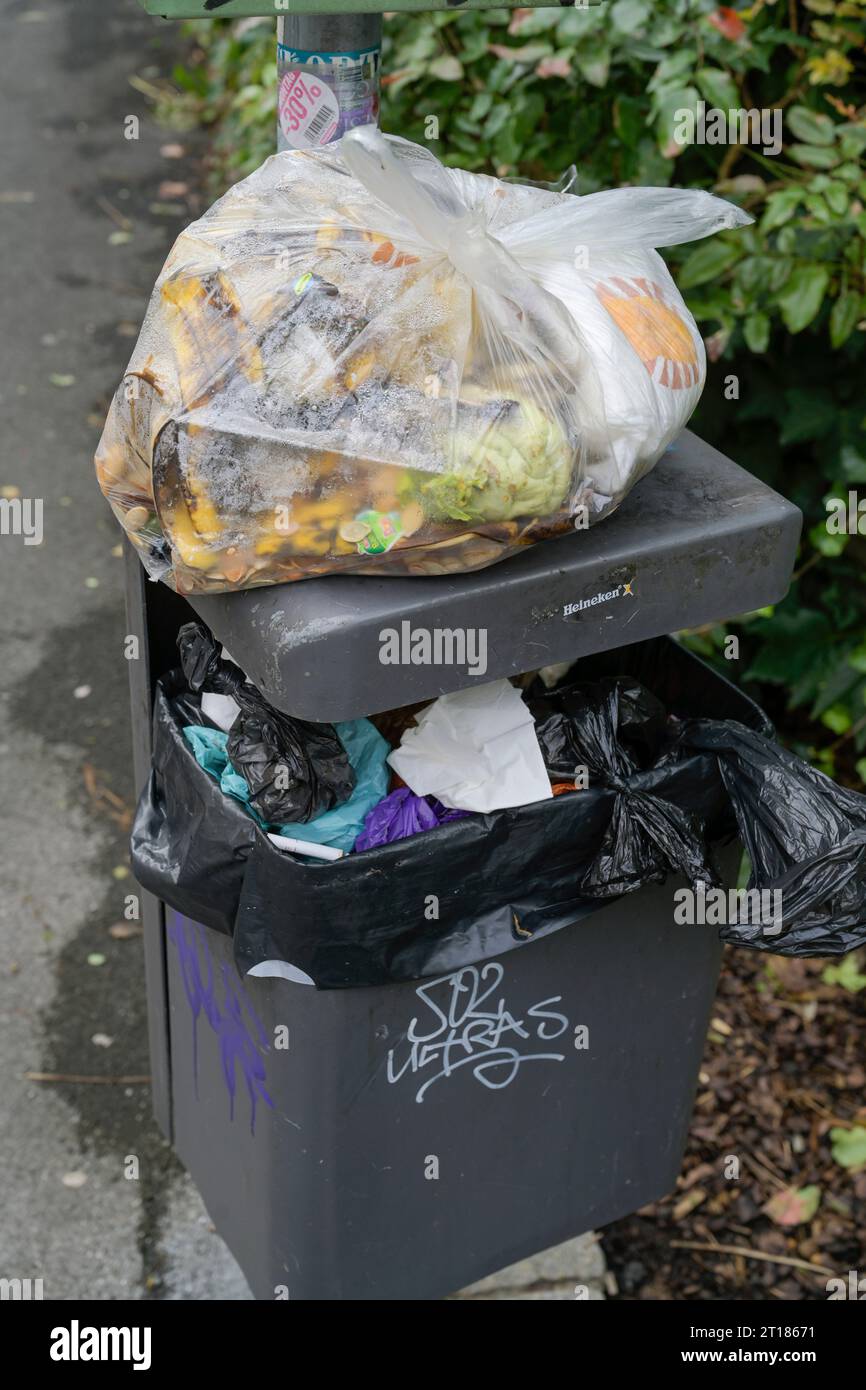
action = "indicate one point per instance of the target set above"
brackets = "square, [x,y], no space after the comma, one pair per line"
[402,1141]
[412,1138]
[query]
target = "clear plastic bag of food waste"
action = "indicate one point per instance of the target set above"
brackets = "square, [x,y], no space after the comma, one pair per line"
[360,360]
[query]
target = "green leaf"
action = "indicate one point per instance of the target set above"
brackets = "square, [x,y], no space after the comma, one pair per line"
[847,975]
[751,273]
[593,61]
[814,156]
[818,208]
[813,127]
[480,106]
[629,15]
[844,317]
[809,414]
[780,207]
[474,46]
[849,1146]
[576,23]
[528,53]
[629,119]
[837,718]
[675,65]
[499,117]
[652,166]
[667,29]
[803,296]
[779,273]
[447,68]
[756,331]
[669,103]
[424,46]
[852,141]
[837,197]
[506,146]
[535,22]
[852,462]
[791,645]
[857,657]
[841,687]
[824,542]
[718,88]
[706,262]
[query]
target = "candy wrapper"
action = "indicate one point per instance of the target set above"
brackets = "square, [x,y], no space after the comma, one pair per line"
[359,360]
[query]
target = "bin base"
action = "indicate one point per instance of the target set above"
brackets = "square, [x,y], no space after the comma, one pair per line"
[401,1142]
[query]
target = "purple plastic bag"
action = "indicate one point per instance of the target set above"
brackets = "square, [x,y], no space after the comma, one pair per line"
[400,814]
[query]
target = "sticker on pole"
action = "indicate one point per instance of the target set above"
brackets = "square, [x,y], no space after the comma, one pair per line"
[309,110]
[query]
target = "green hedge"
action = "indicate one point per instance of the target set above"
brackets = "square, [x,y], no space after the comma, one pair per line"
[782,304]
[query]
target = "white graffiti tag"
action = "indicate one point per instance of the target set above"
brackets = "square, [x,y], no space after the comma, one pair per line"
[463,1034]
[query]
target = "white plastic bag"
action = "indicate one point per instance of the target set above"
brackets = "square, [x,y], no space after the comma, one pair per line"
[359,359]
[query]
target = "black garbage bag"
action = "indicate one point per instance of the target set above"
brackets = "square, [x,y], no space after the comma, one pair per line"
[189,842]
[805,837]
[498,881]
[575,727]
[613,729]
[295,770]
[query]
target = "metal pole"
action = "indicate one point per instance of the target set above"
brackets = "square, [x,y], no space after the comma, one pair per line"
[328,76]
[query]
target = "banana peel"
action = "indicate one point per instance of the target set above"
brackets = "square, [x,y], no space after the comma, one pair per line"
[209,338]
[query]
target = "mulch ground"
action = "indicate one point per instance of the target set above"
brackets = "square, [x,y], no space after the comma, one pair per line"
[783,1066]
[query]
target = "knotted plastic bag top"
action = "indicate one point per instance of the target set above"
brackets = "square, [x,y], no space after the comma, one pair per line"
[359,359]
[295,770]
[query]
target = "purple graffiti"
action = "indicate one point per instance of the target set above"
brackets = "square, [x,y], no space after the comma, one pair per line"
[241,1036]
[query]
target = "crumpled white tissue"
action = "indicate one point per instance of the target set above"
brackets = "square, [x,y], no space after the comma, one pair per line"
[476,750]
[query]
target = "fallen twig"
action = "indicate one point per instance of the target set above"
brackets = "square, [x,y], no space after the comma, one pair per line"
[104,799]
[753,1255]
[117,217]
[763,1170]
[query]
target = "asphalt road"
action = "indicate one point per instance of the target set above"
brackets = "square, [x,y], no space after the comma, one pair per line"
[71,994]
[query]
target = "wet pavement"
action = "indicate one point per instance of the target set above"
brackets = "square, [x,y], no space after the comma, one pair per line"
[85,230]
[96,1206]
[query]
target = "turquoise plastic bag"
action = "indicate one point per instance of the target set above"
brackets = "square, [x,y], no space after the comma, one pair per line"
[209,747]
[367,751]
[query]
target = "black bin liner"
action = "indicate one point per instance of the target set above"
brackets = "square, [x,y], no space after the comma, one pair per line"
[805,837]
[264,743]
[435,902]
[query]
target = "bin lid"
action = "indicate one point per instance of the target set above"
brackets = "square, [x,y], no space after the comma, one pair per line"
[695,541]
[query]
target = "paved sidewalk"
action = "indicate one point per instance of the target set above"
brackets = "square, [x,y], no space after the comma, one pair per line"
[87,223]
[572,1271]
[82,244]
